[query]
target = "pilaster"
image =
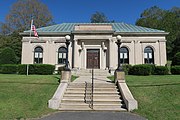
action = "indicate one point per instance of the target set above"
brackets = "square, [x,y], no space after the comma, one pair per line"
[113,59]
[76,54]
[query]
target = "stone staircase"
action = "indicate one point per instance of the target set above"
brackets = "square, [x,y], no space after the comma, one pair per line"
[105,97]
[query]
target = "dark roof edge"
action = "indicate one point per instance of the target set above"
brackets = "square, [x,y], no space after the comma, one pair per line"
[45,33]
[90,32]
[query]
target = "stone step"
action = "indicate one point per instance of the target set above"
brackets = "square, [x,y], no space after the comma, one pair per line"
[95,71]
[88,72]
[67,96]
[95,104]
[109,108]
[95,92]
[82,93]
[95,101]
[89,89]
[89,109]
[99,85]
[84,106]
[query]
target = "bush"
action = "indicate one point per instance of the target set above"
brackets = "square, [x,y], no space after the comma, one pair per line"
[176,59]
[8,69]
[22,69]
[40,69]
[0,68]
[8,56]
[126,68]
[175,70]
[143,69]
[161,70]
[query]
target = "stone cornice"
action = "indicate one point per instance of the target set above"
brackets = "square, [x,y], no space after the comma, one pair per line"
[96,32]
[142,33]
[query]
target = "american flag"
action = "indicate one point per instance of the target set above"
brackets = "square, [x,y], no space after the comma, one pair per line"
[33,28]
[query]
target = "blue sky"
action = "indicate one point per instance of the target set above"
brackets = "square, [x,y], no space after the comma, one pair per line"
[127,11]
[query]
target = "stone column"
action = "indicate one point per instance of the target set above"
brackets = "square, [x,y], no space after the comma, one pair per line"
[162,52]
[76,54]
[137,53]
[103,55]
[83,56]
[111,54]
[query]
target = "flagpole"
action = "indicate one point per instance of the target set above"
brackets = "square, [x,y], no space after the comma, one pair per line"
[31,26]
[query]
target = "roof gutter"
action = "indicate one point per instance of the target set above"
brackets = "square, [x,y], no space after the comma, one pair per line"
[45,33]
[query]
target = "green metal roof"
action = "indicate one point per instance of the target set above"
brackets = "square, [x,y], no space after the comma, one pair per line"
[117,27]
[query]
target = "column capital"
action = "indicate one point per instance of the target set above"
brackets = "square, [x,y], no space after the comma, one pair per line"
[112,39]
[75,39]
[137,41]
[162,40]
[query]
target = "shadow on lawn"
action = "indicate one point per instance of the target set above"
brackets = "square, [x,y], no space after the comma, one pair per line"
[12,82]
[28,82]
[154,85]
[59,80]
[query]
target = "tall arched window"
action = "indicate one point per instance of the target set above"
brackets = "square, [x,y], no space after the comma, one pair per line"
[38,55]
[148,55]
[124,55]
[62,55]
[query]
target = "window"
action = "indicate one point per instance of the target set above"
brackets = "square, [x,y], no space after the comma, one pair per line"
[62,55]
[38,55]
[124,55]
[148,55]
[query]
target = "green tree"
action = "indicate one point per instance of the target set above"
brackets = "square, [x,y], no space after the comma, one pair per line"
[99,17]
[7,56]
[176,44]
[21,13]
[167,20]
[176,59]
[151,17]
[12,41]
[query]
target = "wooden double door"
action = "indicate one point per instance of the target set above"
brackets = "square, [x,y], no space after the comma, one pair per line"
[93,58]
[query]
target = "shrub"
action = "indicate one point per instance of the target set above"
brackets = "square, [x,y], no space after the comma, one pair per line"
[8,69]
[0,68]
[176,59]
[152,66]
[8,56]
[126,68]
[161,70]
[175,70]
[143,69]
[40,69]
[22,69]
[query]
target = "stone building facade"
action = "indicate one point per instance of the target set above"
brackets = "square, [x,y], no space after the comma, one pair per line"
[94,45]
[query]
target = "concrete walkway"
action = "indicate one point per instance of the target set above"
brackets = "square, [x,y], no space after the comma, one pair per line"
[93,116]
[97,79]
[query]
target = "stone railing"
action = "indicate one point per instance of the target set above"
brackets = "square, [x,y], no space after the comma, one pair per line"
[128,98]
[55,101]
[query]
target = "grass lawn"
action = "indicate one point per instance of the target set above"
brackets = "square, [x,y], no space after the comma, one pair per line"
[26,96]
[158,96]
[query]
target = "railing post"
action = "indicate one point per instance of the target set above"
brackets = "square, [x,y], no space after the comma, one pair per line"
[85,95]
[92,88]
